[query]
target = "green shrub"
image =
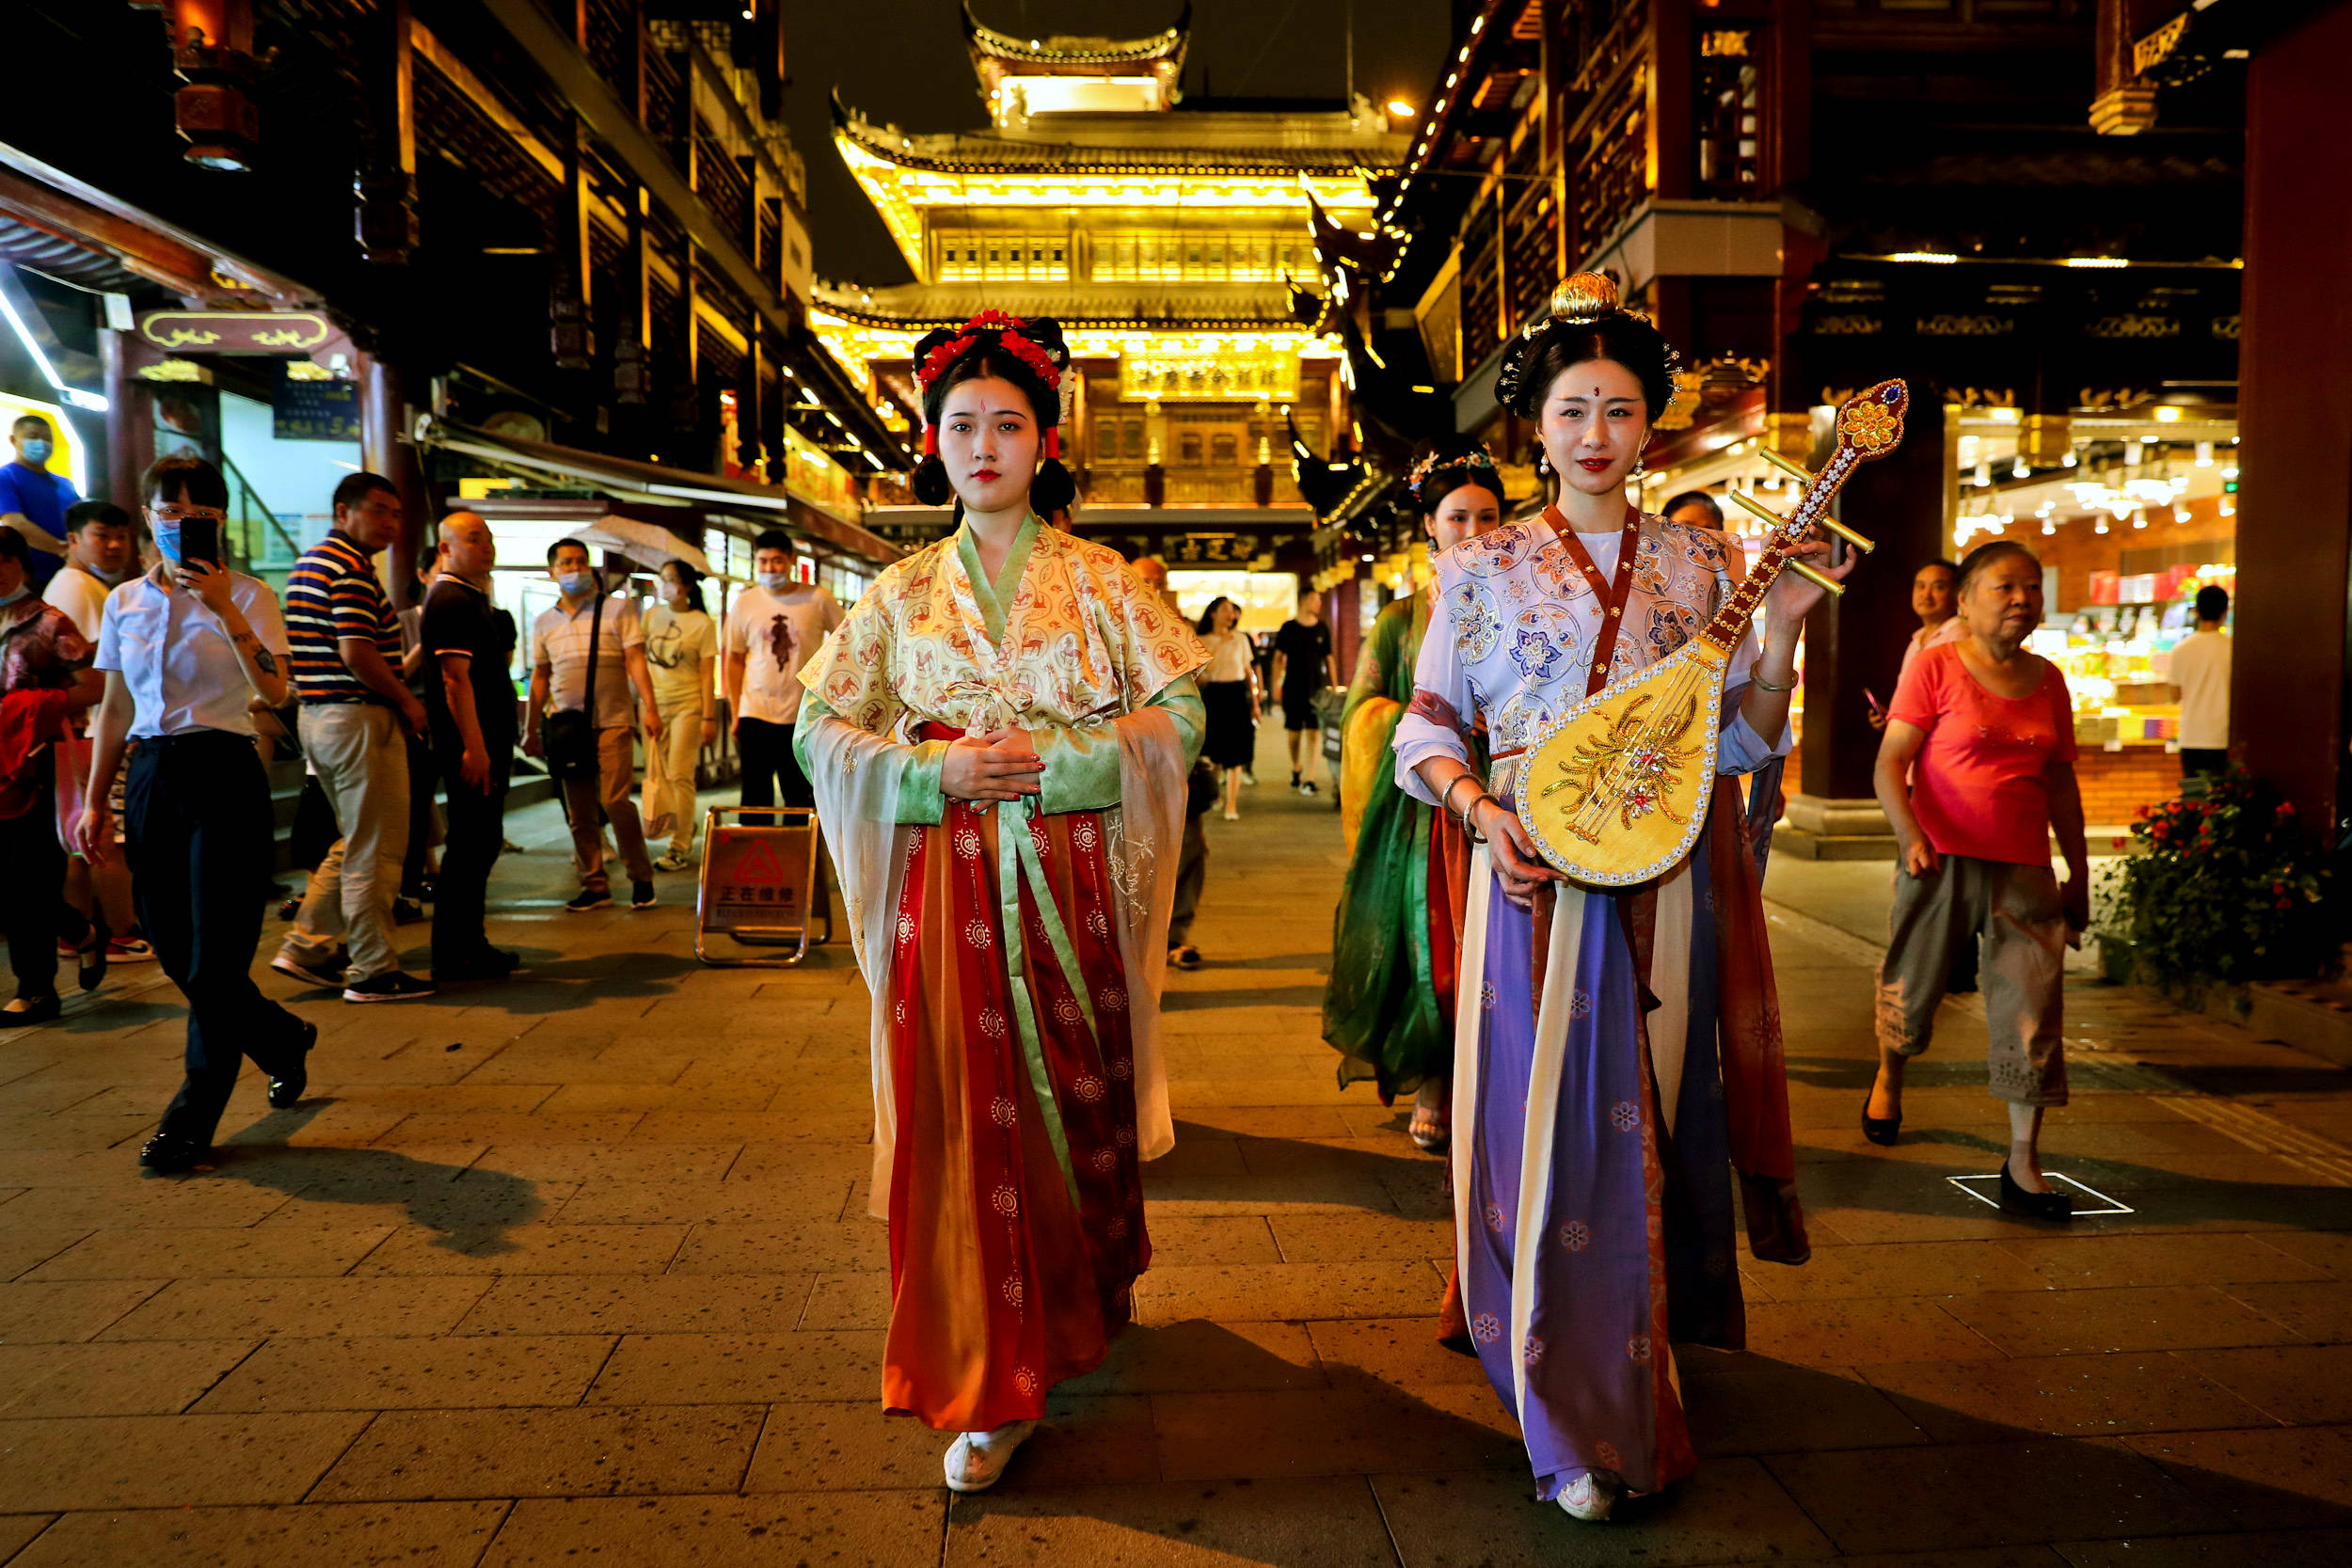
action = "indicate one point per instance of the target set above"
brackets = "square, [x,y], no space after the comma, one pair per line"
[2225,889]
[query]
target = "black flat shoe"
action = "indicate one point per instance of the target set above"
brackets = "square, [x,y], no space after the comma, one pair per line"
[2033,1206]
[168,1155]
[285,1091]
[38,1009]
[92,955]
[1881,1129]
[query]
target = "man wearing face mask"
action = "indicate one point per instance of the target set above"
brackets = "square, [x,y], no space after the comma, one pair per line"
[589,633]
[33,501]
[772,632]
[102,550]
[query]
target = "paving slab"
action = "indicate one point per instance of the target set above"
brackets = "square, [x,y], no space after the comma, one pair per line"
[426,1372]
[60,1463]
[1315,1523]
[886,1529]
[308,1535]
[526,1452]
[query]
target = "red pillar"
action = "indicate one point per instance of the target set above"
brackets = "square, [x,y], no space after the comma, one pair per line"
[2295,412]
[385,449]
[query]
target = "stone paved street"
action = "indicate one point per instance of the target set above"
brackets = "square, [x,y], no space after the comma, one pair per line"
[577,1269]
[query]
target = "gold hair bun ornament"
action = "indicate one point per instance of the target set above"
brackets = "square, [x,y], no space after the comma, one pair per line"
[1582,300]
[1585,298]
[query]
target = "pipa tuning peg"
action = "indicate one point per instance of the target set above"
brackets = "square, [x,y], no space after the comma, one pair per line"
[1822,579]
[1848,535]
[1797,471]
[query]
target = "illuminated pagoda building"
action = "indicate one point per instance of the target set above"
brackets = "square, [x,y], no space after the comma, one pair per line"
[1171,237]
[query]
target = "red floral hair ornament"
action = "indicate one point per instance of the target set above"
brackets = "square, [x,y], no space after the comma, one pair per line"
[1006,330]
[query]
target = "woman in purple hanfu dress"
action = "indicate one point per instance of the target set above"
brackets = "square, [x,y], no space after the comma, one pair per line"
[1614,1050]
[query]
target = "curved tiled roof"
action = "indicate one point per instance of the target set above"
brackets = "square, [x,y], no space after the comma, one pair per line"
[1165,45]
[1144,307]
[980,152]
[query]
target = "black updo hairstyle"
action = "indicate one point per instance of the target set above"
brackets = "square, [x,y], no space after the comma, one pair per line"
[1585,322]
[1021,352]
[1448,464]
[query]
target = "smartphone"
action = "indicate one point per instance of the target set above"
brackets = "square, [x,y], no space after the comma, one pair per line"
[1871,697]
[200,540]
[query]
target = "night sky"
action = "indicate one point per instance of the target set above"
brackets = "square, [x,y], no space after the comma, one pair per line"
[903,62]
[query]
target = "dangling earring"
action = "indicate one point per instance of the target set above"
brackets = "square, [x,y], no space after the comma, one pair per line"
[1543,462]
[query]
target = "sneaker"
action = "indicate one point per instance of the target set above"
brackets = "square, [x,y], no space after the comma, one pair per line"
[308,974]
[390,986]
[1309,788]
[130,950]
[1248,778]
[674,861]
[642,895]
[589,898]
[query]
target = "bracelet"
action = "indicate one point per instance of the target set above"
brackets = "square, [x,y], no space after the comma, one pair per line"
[1758,681]
[1445,798]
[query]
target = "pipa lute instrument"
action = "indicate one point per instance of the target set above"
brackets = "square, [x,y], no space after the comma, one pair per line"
[1616,792]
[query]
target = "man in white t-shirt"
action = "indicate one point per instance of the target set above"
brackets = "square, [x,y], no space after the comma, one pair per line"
[102,551]
[2200,668]
[772,632]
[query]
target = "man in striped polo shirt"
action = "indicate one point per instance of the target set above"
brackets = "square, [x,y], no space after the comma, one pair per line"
[354,706]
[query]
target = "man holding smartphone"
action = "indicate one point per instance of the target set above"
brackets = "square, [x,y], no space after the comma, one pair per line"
[355,715]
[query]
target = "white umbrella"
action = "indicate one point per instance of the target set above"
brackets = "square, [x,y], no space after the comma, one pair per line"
[648,544]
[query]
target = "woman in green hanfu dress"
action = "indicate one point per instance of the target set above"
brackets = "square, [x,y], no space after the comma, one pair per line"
[1388,1006]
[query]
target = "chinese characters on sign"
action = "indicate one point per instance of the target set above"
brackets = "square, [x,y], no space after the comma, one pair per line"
[302,409]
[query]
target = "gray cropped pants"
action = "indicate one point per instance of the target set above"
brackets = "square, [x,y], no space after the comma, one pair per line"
[2014,912]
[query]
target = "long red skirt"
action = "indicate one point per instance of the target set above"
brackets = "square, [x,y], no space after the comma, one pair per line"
[1015,1235]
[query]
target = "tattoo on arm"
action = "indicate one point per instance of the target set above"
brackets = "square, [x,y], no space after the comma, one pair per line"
[266,661]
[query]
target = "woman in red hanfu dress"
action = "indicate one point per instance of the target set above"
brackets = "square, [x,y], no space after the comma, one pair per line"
[998,737]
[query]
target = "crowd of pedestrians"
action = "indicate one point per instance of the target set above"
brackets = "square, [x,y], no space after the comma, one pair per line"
[143,693]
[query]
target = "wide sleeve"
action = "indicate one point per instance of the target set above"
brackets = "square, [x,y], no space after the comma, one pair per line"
[1737,748]
[1437,723]
[1082,766]
[848,721]
[1156,649]
[1368,721]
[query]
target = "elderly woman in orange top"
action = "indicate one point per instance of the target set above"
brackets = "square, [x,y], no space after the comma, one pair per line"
[1977,773]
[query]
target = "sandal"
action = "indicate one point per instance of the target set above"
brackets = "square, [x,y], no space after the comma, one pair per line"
[1428,1130]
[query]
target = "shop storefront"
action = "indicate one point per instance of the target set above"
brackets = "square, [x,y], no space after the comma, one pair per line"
[2131,511]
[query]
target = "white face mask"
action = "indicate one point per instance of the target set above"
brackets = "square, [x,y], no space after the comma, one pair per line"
[775,582]
[573,583]
[674,596]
